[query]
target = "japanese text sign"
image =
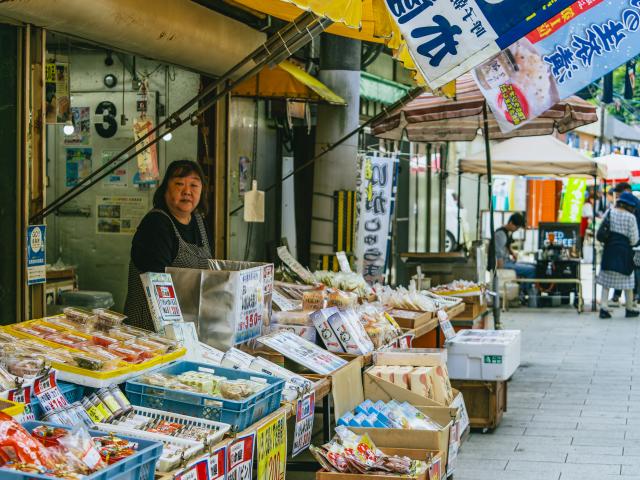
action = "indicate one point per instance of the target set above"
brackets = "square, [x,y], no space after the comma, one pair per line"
[447,38]
[217,464]
[375,198]
[240,458]
[574,48]
[272,449]
[36,254]
[305,409]
[573,200]
[198,470]
[251,290]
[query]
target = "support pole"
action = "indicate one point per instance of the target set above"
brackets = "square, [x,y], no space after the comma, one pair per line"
[593,260]
[494,269]
[428,200]
[459,193]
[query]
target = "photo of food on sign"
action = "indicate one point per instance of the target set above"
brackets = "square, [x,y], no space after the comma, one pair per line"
[574,48]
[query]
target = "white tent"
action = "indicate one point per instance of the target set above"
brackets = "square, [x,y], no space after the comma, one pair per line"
[619,167]
[544,156]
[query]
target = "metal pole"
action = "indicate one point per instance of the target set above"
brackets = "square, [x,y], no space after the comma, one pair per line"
[459,193]
[593,260]
[416,198]
[478,219]
[494,270]
[442,204]
[428,195]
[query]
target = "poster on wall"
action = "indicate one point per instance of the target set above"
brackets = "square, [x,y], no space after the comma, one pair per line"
[78,165]
[81,127]
[576,47]
[119,177]
[57,93]
[119,214]
[447,38]
[374,214]
[36,254]
[148,159]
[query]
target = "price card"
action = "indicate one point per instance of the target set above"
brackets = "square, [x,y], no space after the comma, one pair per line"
[272,449]
[343,261]
[209,355]
[293,264]
[23,395]
[240,458]
[463,421]
[218,464]
[445,325]
[48,393]
[305,408]
[196,471]
[283,303]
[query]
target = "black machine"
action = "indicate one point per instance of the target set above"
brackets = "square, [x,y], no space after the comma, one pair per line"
[559,252]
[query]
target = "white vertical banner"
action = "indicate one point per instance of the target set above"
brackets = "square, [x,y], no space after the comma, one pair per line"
[375,195]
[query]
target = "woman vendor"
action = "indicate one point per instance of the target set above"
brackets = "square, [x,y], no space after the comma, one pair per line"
[173,234]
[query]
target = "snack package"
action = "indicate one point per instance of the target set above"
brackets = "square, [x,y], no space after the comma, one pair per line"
[108,319]
[350,332]
[401,376]
[443,392]
[295,385]
[82,318]
[80,445]
[237,359]
[320,320]
[313,300]
[341,300]
[17,445]
[421,382]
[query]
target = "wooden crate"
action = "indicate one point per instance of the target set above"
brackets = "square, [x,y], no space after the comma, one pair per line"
[485,401]
[472,310]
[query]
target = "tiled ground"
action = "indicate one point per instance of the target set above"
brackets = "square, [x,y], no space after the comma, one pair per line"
[573,406]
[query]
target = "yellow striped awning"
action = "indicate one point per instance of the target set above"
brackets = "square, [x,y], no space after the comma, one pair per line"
[287,81]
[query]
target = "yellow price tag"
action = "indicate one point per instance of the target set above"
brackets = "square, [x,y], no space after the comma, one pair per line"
[272,449]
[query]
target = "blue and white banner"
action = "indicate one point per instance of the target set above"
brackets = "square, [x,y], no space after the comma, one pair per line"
[574,48]
[36,254]
[447,38]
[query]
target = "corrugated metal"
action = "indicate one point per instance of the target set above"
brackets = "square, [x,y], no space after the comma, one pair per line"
[180,32]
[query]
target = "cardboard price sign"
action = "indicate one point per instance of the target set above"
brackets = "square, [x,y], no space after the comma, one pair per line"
[445,325]
[305,408]
[196,471]
[240,458]
[218,464]
[272,449]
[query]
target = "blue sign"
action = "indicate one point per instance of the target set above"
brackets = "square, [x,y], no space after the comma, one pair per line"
[36,256]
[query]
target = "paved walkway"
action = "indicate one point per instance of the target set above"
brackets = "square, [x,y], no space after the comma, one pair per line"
[573,406]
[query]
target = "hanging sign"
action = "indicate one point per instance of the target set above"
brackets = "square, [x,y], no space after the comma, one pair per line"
[577,46]
[23,395]
[272,449]
[374,216]
[36,254]
[445,325]
[447,38]
[48,393]
[305,409]
[573,200]
[57,100]
[240,458]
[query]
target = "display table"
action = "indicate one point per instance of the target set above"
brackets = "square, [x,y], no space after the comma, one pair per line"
[561,281]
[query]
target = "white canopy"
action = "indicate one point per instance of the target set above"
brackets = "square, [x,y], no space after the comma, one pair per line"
[544,156]
[619,166]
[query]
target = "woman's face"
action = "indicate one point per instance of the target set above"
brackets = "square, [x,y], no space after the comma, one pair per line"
[183,193]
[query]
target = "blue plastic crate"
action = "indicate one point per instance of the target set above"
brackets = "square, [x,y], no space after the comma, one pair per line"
[139,466]
[71,391]
[238,414]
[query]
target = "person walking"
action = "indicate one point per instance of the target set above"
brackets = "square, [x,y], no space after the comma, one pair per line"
[617,267]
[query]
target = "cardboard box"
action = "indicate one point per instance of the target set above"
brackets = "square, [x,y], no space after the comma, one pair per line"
[411,319]
[413,357]
[433,472]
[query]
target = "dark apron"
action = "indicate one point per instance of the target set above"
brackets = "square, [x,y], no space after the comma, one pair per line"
[617,255]
[189,256]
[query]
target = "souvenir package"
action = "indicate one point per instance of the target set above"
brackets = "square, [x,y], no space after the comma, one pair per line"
[350,332]
[342,300]
[431,382]
[314,299]
[301,351]
[306,332]
[357,454]
[237,359]
[108,319]
[457,286]
[320,320]
[82,318]
[392,414]
[406,299]
[346,281]
[381,328]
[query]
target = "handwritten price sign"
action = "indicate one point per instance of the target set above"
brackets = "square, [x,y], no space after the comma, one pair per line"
[240,458]
[272,449]
[304,423]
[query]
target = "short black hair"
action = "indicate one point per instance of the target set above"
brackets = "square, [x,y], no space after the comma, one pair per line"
[517,219]
[621,187]
[181,169]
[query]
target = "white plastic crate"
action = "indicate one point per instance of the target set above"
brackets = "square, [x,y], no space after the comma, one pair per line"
[483,354]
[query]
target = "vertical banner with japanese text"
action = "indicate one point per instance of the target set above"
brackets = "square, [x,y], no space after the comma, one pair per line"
[374,215]
[447,38]
[577,46]
[573,200]
[272,449]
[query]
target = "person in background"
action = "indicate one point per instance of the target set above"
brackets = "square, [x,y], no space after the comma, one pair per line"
[173,234]
[619,189]
[600,204]
[506,257]
[617,269]
[587,218]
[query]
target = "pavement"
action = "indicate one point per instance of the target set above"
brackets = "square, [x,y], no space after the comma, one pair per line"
[573,410]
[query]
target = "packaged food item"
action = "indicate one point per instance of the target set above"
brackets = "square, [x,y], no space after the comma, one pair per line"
[68,340]
[442,391]
[350,332]
[320,320]
[237,359]
[314,299]
[101,408]
[19,446]
[401,376]
[342,300]
[7,382]
[23,365]
[125,353]
[108,319]
[109,359]
[120,397]
[157,348]
[144,353]
[103,340]
[48,436]
[81,317]
[295,384]
[87,361]
[93,411]
[108,398]
[239,389]
[421,382]
[122,334]
[112,449]
[81,446]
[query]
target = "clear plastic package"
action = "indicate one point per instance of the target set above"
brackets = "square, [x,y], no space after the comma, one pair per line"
[108,319]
